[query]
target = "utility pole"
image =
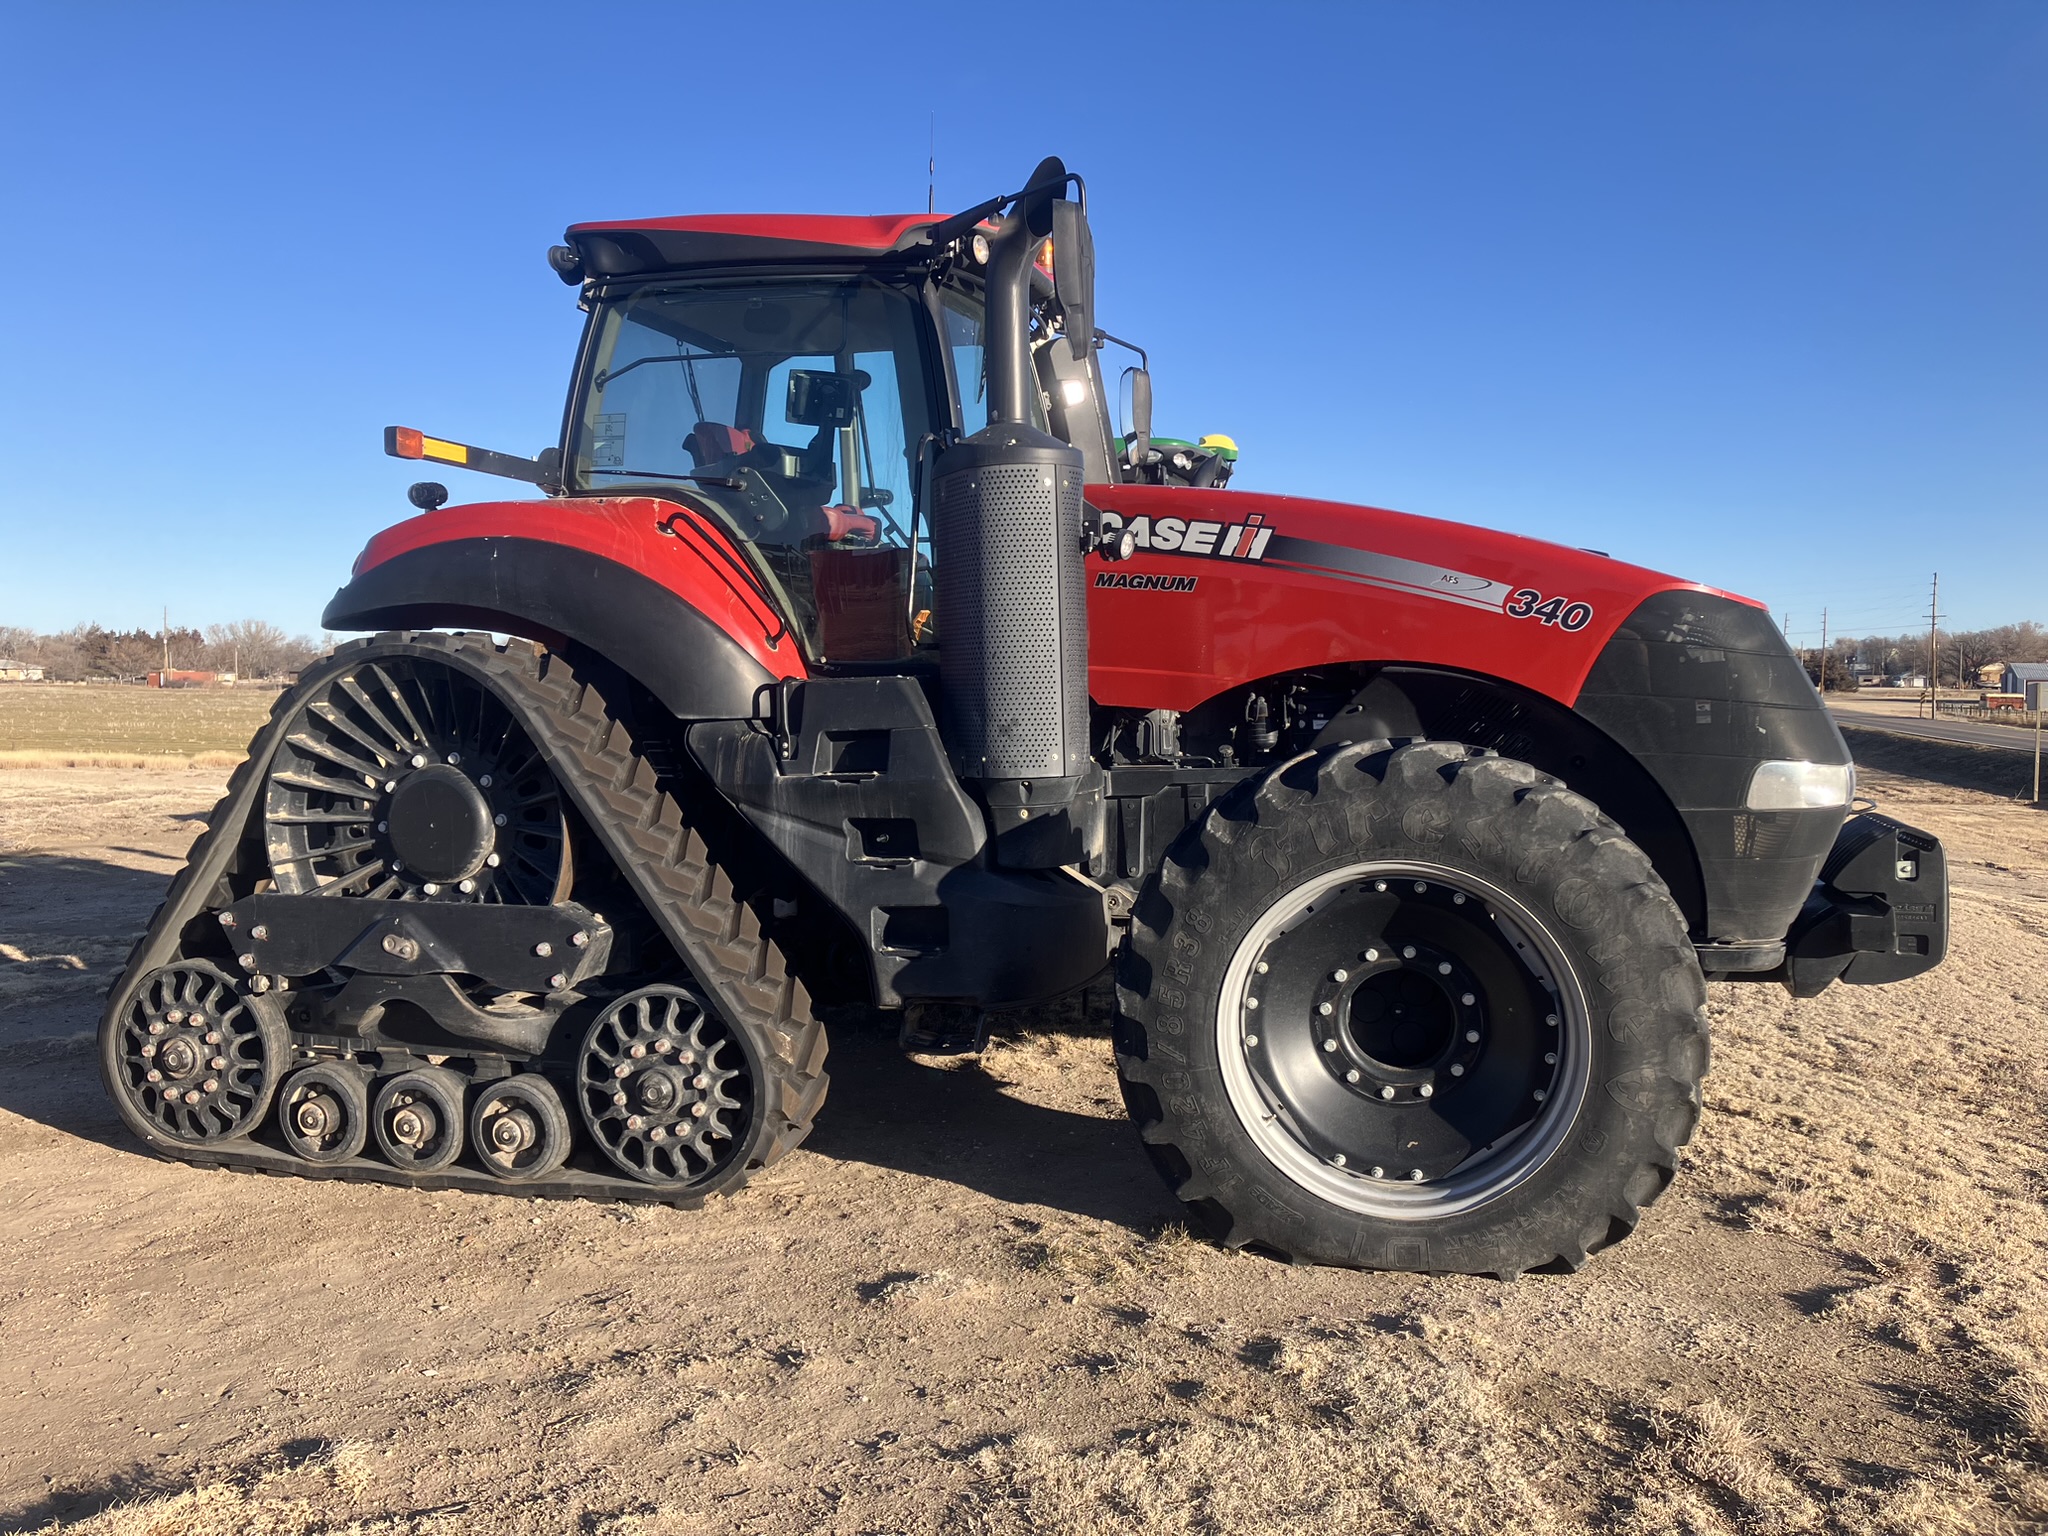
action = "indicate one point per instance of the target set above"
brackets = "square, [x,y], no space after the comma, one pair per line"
[1933,633]
[165,675]
[1823,652]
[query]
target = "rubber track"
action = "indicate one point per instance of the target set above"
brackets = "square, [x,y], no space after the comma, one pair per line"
[620,796]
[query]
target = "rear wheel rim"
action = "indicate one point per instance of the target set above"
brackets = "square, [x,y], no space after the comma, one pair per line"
[408,779]
[1404,1040]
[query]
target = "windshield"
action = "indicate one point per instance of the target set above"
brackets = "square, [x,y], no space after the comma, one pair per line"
[795,410]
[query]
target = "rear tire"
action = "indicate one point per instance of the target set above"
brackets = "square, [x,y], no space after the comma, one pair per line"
[1411,1008]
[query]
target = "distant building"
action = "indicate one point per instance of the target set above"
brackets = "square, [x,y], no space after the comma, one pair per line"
[2013,676]
[19,672]
[177,679]
[1991,675]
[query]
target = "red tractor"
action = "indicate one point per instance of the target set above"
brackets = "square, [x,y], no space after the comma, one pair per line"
[861,662]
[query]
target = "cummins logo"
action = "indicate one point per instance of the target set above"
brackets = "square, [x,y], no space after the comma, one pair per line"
[1145,583]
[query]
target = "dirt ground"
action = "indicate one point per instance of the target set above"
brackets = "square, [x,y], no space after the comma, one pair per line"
[969,1306]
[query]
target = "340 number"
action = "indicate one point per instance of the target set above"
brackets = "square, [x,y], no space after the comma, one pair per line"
[1528,603]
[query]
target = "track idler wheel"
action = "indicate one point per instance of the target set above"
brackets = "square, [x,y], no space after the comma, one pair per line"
[324,1112]
[418,1119]
[519,1128]
[196,1059]
[666,1090]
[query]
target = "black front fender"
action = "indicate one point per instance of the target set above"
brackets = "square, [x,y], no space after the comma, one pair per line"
[561,596]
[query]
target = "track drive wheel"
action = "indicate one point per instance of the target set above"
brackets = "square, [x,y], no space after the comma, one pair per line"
[669,1094]
[519,1129]
[1412,1008]
[194,1058]
[418,1119]
[323,1112]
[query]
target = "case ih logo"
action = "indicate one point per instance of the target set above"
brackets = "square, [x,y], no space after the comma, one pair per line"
[1177,535]
[1146,583]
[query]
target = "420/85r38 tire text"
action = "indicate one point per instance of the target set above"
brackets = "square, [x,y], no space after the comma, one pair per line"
[1411,1008]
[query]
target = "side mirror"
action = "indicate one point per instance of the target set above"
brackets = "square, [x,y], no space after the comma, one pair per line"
[821,399]
[1073,275]
[1138,445]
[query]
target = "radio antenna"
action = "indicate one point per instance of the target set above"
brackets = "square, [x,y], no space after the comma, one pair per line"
[931,166]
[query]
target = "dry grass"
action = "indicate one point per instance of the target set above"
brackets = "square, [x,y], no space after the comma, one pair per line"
[147,762]
[117,726]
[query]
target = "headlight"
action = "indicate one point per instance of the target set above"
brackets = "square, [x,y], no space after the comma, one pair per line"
[1800,786]
[1073,391]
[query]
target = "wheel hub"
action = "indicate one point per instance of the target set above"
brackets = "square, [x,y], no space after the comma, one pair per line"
[440,824]
[513,1131]
[316,1116]
[415,1124]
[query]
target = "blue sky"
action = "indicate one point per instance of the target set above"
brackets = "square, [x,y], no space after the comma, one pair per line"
[1754,293]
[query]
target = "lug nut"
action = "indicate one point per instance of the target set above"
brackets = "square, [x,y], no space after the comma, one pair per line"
[248,962]
[1427,1090]
[210,1084]
[213,1037]
[619,1099]
[636,1122]
[557,981]
[148,1048]
[1457,1069]
[657,1134]
[701,1080]
[1467,999]
[1326,1009]
[227,919]
[389,785]
[491,861]
[419,760]
[664,1045]
[191,1095]
[196,1019]
[1329,1045]
[219,1063]
[1372,954]
[697,1110]
[175,1016]
[484,781]
[579,938]
[1407,951]
[637,1051]
[154,1076]
[1340,975]
[1387,1092]
[156,1028]
[259,933]
[543,949]
[1443,967]
[498,820]
[468,887]
[622,1070]
[1471,1037]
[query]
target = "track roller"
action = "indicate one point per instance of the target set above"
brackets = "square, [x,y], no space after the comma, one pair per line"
[324,1112]
[195,1059]
[418,1119]
[519,1128]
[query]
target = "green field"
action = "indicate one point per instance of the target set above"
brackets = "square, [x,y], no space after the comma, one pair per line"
[124,718]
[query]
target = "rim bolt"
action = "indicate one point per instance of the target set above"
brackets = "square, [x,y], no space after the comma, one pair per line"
[1251,1002]
[1340,1159]
[383,826]
[259,933]
[1540,1095]
[1351,1076]
[1427,1090]
[622,1070]
[1340,975]
[1407,951]
[1326,1009]
[491,861]
[1415,1175]
[454,758]
[419,760]
[1468,999]
[1379,885]
[1550,1019]
[498,820]
[1457,1069]
[1378,1172]
[1443,967]
[1420,887]
[637,1052]
[1387,1092]
[698,1110]
[579,938]
[431,889]
[543,949]
[484,781]
[1262,967]
[1251,1039]
[1471,1037]
[1329,1045]
[1550,1058]
[1458,899]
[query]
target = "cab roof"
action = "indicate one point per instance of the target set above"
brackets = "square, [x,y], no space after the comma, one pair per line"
[628,247]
